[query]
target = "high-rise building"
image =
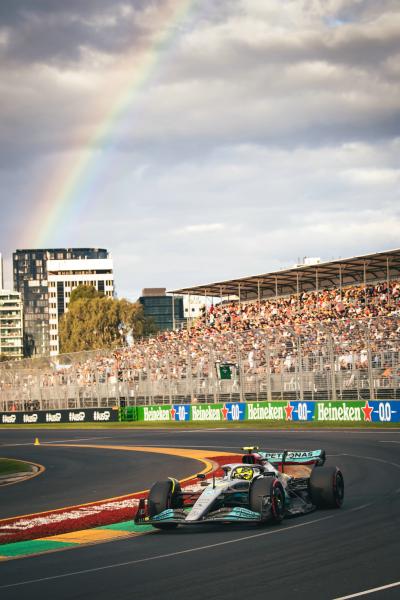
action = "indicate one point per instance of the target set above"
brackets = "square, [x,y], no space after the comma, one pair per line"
[166,311]
[30,279]
[11,336]
[63,276]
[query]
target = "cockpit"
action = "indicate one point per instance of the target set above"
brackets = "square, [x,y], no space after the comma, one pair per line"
[244,472]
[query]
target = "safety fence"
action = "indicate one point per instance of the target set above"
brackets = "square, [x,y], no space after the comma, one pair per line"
[338,361]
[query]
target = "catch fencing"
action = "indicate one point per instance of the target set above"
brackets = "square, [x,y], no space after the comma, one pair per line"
[340,360]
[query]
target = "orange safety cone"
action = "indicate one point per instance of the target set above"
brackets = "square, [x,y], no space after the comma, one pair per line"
[37,443]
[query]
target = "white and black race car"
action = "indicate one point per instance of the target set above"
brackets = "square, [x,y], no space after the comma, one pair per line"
[265,487]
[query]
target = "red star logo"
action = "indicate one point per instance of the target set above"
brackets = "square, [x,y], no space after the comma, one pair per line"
[173,413]
[289,410]
[367,410]
[225,412]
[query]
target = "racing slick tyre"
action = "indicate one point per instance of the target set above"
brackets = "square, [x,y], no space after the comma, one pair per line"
[327,487]
[163,495]
[271,487]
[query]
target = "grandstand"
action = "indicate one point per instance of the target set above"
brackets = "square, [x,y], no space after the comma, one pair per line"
[336,274]
[329,331]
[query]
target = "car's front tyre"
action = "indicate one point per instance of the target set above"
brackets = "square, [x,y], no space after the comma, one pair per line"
[164,495]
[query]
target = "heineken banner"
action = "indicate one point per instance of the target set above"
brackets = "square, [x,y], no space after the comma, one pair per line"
[176,412]
[374,411]
[361,411]
[78,415]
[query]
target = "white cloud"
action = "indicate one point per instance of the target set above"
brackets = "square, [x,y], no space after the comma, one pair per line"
[201,228]
[372,176]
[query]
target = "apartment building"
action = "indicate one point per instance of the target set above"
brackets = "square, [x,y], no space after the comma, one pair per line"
[30,278]
[11,324]
[63,276]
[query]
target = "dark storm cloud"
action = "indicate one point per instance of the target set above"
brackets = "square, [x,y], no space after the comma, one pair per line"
[347,11]
[57,30]
[12,12]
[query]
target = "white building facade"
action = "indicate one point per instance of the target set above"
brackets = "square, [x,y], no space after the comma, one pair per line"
[193,307]
[11,324]
[63,276]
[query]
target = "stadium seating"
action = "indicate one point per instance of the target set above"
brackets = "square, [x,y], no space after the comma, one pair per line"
[353,333]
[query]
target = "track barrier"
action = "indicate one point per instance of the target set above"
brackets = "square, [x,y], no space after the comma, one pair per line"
[374,411]
[82,415]
[367,411]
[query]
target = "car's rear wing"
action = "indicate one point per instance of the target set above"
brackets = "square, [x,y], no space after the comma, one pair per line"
[295,457]
[290,457]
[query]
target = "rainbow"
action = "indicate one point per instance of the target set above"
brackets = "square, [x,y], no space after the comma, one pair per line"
[67,193]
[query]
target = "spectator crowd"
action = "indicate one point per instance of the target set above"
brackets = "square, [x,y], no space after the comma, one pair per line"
[345,329]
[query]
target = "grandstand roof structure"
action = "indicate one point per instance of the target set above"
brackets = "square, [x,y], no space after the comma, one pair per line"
[337,273]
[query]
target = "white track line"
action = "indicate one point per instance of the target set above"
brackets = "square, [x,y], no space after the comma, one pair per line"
[108,437]
[56,441]
[370,591]
[360,507]
[380,460]
[161,556]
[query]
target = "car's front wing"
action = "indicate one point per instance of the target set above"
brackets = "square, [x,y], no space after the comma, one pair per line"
[226,515]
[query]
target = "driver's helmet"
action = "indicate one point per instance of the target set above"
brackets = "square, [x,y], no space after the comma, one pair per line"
[242,473]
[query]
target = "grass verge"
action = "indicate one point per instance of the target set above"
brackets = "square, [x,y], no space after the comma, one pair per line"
[9,466]
[286,425]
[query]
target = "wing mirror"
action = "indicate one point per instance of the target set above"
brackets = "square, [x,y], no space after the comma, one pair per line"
[201,476]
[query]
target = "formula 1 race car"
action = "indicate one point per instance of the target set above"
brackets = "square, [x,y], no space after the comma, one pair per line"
[264,488]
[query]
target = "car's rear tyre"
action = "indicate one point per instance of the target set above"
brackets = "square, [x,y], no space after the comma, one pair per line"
[163,495]
[268,486]
[327,487]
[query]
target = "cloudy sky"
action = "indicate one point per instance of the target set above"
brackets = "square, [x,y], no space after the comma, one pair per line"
[200,140]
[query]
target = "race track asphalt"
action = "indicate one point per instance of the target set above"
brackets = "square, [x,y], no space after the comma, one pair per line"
[321,556]
[80,475]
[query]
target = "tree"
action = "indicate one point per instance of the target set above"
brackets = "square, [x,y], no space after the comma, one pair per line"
[84,291]
[95,321]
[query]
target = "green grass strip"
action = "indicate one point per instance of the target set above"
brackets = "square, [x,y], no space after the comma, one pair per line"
[8,466]
[128,526]
[286,425]
[31,547]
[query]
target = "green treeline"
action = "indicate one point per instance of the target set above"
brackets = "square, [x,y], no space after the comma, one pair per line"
[95,321]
